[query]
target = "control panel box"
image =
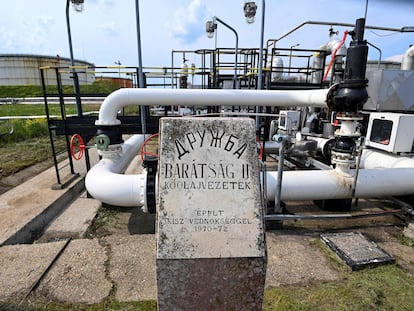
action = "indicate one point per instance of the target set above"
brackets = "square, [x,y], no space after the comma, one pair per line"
[391,132]
[289,120]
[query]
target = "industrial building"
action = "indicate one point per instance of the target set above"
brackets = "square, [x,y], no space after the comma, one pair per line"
[24,69]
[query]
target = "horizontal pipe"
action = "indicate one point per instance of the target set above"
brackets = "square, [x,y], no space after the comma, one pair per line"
[210,97]
[371,159]
[329,216]
[329,184]
[106,183]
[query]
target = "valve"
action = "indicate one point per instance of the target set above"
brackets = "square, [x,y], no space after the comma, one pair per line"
[77,147]
[145,153]
[102,142]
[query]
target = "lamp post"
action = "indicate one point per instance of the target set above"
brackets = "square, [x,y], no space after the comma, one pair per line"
[78,5]
[250,9]
[140,72]
[211,27]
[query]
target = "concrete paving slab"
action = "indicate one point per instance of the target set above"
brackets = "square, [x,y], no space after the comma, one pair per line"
[292,259]
[133,266]
[27,208]
[22,265]
[74,221]
[79,275]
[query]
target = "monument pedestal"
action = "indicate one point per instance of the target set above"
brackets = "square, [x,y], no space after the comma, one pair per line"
[211,284]
[211,251]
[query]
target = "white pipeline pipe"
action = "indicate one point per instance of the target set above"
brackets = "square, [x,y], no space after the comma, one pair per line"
[408,59]
[210,97]
[324,185]
[371,159]
[106,183]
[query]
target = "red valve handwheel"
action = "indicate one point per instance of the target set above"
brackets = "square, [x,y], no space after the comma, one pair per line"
[143,152]
[77,147]
[260,156]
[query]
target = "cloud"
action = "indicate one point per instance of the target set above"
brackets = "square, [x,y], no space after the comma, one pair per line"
[189,22]
[109,29]
[32,35]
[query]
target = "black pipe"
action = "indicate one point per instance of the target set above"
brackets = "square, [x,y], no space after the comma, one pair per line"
[351,93]
[114,133]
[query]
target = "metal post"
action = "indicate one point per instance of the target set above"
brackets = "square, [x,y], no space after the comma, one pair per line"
[259,78]
[140,73]
[282,143]
[72,62]
[290,56]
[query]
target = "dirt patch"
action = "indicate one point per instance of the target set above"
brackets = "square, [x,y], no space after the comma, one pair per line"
[121,221]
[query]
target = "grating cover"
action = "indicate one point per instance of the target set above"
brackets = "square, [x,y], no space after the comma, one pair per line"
[356,250]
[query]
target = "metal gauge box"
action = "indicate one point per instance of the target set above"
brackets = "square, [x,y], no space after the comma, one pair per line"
[289,120]
[391,132]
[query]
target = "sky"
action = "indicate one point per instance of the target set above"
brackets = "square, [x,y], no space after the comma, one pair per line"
[105,32]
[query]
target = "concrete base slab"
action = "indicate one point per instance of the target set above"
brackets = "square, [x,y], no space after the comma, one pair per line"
[79,275]
[356,250]
[74,221]
[22,265]
[133,266]
[211,283]
[292,259]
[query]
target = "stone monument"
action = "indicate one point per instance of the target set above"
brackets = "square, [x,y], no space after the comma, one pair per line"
[211,250]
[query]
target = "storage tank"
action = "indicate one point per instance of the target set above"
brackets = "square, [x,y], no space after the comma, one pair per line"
[24,69]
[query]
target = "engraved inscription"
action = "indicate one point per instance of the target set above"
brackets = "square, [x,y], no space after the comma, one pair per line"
[216,139]
[209,193]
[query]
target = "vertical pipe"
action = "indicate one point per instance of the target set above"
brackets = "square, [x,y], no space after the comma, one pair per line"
[172,69]
[141,74]
[282,142]
[259,78]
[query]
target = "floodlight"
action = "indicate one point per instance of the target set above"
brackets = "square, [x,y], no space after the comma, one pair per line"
[250,9]
[210,28]
[407,29]
[77,5]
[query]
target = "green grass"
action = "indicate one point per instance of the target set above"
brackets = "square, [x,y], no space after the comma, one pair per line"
[15,156]
[382,288]
[29,143]
[22,91]
[7,110]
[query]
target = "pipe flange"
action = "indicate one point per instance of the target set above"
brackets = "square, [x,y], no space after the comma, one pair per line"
[113,152]
[343,158]
[141,190]
[342,117]
[338,133]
